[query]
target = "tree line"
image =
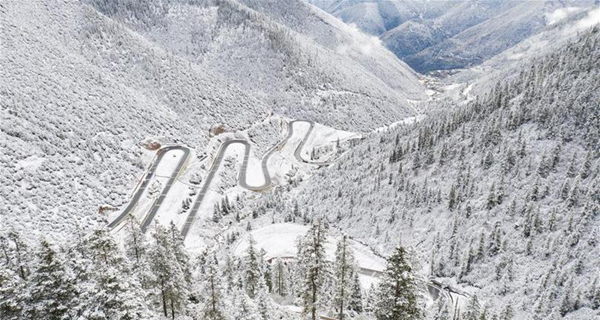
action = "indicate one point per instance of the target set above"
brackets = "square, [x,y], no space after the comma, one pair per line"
[153,277]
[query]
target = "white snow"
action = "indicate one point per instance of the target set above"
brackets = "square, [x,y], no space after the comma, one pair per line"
[409,120]
[279,240]
[322,135]
[31,164]
[254,174]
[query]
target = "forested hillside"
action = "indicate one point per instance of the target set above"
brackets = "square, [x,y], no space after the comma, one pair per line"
[501,194]
[76,102]
[302,63]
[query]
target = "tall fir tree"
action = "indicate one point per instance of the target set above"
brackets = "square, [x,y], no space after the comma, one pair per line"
[51,292]
[12,288]
[344,270]
[117,293]
[280,278]
[212,292]
[397,292]
[253,271]
[312,268]
[356,300]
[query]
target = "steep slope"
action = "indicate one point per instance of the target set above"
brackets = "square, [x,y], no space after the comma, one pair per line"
[501,195]
[285,54]
[78,93]
[344,40]
[564,27]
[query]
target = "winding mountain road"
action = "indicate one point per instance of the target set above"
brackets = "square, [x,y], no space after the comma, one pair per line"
[189,222]
[242,180]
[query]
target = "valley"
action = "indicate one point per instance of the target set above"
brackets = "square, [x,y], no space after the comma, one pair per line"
[300,159]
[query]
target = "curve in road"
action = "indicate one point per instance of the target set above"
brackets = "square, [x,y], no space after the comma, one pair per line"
[243,171]
[207,182]
[213,170]
[146,180]
[298,151]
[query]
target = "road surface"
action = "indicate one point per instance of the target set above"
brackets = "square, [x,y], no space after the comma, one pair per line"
[189,222]
[146,180]
[298,151]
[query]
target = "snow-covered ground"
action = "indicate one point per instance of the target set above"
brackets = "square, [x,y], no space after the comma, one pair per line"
[279,240]
[322,136]
[398,123]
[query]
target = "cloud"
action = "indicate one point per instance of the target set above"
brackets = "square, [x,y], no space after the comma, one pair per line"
[359,42]
[592,19]
[560,14]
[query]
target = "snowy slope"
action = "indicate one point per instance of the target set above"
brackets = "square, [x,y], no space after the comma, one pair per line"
[500,195]
[78,93]
[565,27]
[301,62]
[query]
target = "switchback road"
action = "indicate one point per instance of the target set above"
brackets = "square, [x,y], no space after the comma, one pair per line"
[148,218]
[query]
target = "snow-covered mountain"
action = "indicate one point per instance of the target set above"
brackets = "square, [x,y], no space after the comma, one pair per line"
[439,35]
[80,90]
[498,197]
[296,59]
[262,159]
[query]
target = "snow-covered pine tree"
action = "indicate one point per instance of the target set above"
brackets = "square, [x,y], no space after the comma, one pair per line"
[312,268]
[20,253]
[472,312]
[211,290]
[280,278]
[180,281]
[11,294]
[397,292]
[244,308]
[161,259]
[117,293]
[344,270]
[355,303]
[135,244]
[441,310]
[51,292]
[253,270]
[263,301]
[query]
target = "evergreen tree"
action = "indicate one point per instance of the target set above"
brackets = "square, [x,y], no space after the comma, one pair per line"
[312,268]
[253,271]
[51,292]
[441,310]
[11,294]
[472,312]
[116,294]
[162,267]
[263,301]
[280,278]
[180,281]
[20,253]
[244,308]
[355,303]
[344,270]
[211,290]
[397,293]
